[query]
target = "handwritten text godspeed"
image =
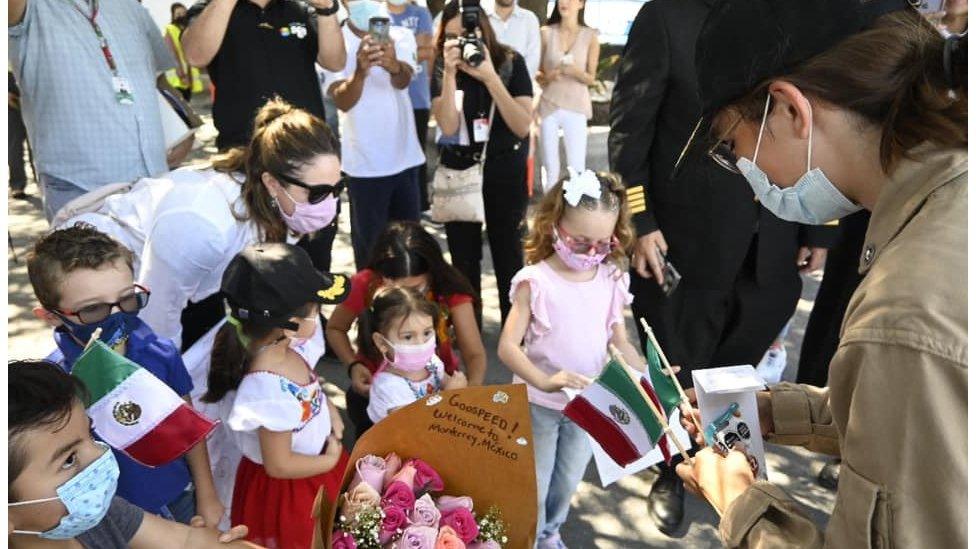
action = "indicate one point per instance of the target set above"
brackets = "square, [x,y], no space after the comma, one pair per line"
[476,426]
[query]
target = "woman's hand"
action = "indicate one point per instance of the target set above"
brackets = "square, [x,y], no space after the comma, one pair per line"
[456,381]
[544,77]
[452,56]
[388,59]
[689,415]
[361,378]
[484,72]
[369,54]
[717,479]
[563,379]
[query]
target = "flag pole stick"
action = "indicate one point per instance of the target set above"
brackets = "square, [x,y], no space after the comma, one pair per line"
[667,366]
[615,353]
[94,337]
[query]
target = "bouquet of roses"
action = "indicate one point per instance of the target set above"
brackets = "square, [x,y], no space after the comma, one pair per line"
[392,503]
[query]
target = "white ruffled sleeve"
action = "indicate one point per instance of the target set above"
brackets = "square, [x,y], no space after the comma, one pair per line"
[620,298]
[540,324]
[263,400]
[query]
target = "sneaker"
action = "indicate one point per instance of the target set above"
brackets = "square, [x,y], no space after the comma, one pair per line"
[20,195]
[773,363]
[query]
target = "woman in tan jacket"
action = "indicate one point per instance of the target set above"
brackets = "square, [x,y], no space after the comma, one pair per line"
[850,104]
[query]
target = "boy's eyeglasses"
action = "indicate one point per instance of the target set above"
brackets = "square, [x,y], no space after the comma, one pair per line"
[721,153]
[585,246]
[97,312]
[316,193]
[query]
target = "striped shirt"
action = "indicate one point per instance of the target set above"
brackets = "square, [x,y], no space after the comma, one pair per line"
[78,130]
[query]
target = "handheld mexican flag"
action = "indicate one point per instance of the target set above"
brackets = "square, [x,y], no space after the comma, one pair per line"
[613,411]
[666,391]
[134,411]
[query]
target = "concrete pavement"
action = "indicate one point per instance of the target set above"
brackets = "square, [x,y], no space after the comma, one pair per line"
[611,518]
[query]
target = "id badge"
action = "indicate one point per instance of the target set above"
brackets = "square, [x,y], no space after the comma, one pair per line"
[123,91]
[481,129]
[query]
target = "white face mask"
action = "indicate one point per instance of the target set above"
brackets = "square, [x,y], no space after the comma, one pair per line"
[813,200]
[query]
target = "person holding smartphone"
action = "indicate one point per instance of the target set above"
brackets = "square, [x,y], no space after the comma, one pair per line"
[501,81]
[380,150]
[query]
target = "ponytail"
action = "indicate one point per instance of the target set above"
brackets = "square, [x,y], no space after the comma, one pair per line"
[230,358]
[900,75]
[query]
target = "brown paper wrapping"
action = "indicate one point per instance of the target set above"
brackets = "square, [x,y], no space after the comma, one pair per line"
[478,439]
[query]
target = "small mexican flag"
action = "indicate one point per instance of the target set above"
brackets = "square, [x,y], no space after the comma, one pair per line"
[134,411]
[615,414]
[665,389]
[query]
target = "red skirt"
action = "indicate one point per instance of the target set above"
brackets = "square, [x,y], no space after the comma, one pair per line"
[278,512]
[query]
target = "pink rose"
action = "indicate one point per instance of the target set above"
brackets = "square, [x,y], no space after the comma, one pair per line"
[447,539]
[490,544]
[426,479]
[462,522]
[405,475]
[342,540]
[357,499]
[399,495]
[371,470]
[393,464]
[417,537]
[394,521]
[450,503]
[425,513]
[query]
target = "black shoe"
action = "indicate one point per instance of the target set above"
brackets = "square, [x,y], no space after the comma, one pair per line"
[20,195]
[666,502]
[828,475]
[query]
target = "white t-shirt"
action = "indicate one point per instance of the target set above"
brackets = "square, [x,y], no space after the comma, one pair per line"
[276,403]
[379,137]
[390,391]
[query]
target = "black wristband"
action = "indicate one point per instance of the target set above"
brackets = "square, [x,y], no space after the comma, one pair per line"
[328,11]
[351,364]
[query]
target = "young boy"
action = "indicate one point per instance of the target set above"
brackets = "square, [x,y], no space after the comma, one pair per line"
[83,280]
[61,482]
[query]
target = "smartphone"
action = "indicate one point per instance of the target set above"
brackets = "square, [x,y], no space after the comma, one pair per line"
[928,7]
[379,29]
[671,275]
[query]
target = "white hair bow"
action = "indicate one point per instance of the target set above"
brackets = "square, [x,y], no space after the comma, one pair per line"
[581,183]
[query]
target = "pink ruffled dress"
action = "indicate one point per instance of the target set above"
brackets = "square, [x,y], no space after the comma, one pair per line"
[571,323]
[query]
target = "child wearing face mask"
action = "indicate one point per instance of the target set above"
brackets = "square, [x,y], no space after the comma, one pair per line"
[567,306]
[397,331]
[282,421]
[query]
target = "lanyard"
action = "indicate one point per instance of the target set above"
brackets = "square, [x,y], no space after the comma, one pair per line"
[122,92]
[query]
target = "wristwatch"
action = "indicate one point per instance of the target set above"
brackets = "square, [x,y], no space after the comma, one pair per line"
[328,11]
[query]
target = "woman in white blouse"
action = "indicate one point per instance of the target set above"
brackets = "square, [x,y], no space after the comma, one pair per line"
[186,226]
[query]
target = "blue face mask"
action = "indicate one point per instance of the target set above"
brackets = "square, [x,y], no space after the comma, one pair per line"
[813,200]
[361,11]
[116,326]
[87,497]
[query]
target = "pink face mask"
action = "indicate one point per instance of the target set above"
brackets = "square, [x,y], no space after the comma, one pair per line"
[412,358]
[577,262]
[308,217]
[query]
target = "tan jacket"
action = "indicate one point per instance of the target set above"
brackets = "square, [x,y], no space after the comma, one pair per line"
[896,403]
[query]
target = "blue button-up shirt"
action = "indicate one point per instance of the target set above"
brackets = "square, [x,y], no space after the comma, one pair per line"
[78,130]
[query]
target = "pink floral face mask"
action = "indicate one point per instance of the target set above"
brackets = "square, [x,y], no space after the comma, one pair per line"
[578,261]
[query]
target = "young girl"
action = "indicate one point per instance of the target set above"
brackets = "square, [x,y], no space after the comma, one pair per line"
[407,255]
[285,426]
[397,332]
[568,305]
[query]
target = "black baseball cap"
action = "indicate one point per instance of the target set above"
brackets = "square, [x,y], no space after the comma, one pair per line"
[267,283]
[744,42]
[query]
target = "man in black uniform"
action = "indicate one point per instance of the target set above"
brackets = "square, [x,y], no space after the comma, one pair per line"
[740,264]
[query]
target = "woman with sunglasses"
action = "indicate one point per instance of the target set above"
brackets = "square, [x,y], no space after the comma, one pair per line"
[497,108]
[185,227]
[863,111]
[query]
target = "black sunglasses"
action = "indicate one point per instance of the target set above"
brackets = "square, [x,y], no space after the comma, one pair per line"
[316,193]
[97,312]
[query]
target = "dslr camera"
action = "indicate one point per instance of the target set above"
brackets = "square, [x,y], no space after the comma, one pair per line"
[472,50]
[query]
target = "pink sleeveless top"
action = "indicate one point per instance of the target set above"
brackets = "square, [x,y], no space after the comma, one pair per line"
[566,92]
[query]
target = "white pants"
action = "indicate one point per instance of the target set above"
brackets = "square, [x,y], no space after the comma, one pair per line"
[573,125]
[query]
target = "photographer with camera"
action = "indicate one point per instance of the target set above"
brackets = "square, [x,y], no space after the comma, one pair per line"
[380,149]
[483,105]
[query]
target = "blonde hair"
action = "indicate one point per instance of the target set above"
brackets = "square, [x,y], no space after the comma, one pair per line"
[613,197]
